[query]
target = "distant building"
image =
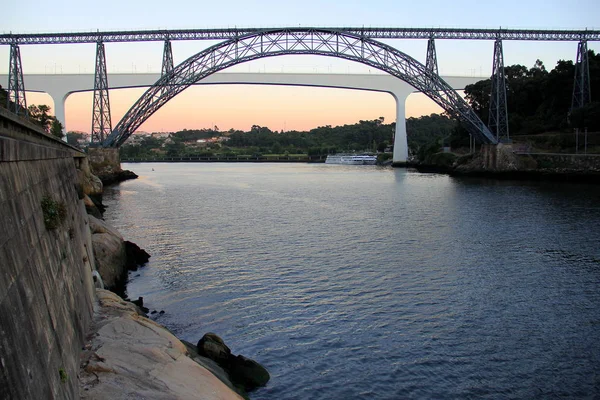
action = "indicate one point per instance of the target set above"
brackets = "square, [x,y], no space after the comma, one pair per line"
[82,139]
[137,138]
[161,135]
[167,141]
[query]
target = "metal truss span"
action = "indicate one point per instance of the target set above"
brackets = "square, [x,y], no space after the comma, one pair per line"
[232,33]
[293,42]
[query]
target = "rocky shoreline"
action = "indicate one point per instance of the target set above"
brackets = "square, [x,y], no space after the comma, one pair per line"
[542,175]
[503,164]
[127,355]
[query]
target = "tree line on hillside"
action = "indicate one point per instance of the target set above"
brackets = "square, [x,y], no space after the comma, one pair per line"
[539,100]
[370,136]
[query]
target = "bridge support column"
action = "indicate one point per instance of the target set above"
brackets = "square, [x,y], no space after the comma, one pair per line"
[581,87]
[104,161]
[59,99]
[499,157]
[431,63]
[101,124]
[15,101]
[167,63]
[498,116]
[400,157]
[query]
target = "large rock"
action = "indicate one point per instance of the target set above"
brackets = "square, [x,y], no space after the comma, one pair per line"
[90,184]
[212,366]
[109,254]
[91,208]
[132,357]
[136,257]
[116,177]
[100,226]
[243,372]
[114,256]
[248,373]
[213,347]
[89,187]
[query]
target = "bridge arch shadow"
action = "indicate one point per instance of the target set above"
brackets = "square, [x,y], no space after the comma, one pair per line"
[323,42]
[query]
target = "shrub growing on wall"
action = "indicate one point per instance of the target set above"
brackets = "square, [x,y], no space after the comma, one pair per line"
[54,212]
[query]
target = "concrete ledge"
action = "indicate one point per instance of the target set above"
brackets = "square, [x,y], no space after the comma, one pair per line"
[16,127]
[16,150]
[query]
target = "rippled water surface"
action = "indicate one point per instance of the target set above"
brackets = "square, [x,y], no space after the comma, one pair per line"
[368,283]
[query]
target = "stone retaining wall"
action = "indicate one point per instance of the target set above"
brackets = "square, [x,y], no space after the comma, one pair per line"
[46,289]
[581,162]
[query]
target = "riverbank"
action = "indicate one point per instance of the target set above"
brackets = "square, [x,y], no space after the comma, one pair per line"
[130,356]
[504,164]
[127,355]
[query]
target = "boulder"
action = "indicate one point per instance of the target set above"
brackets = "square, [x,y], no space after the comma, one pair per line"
[135,256]
[109,254]
[248,373]
[110,178]
[89,187]
[213,367]
[212,346]
[243,372]
[90,207]
[100,226]
[90,184]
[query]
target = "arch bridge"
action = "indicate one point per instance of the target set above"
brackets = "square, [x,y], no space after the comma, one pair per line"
[354,44]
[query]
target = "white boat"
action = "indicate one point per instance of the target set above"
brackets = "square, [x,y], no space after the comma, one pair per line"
[351,159]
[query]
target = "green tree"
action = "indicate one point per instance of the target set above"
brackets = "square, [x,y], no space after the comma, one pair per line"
[277,148]
[39,116]
[175,149]
[74,137]
[56,129]
[538,100]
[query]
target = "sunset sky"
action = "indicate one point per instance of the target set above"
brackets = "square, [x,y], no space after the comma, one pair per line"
[279,108]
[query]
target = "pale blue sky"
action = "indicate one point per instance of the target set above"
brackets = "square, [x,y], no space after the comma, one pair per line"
[124,14]
[471,58]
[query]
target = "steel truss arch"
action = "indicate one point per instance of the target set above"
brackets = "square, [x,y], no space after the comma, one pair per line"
[277,42]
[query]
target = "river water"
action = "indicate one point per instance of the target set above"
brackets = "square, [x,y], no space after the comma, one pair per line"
[369,283]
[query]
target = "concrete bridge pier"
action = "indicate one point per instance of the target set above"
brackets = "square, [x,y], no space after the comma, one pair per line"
[60,98]
[400,156]
[104,161]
